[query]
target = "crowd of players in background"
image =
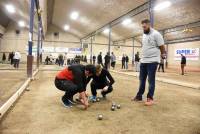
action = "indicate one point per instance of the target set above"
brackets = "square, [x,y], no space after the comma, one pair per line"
[62,60]
[13,58]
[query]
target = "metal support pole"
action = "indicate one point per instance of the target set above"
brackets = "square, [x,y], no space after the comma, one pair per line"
[151,12]
[41,48]
[91,50]
[167,52]
[38,43]
[109,39]
[30,42]
[133,51]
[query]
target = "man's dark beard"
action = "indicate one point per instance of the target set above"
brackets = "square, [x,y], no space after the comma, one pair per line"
[147,31]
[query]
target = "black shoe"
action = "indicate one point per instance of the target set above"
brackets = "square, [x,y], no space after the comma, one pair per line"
[66,103]
[137,99]
[103,95]
[72,101]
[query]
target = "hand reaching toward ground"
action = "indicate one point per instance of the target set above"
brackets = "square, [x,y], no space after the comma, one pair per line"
[105,88]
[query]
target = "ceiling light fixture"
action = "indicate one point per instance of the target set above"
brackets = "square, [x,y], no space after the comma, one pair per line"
[21,23]
[10,8]
[66,27]
[126,21]
[162,5]
[74,15]
[106,31]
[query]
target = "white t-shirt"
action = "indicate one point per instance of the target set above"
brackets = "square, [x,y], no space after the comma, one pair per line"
[17,56]
[150,46]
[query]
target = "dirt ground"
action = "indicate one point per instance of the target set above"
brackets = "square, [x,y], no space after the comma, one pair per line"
[39,111]
[189,77]
[10,81]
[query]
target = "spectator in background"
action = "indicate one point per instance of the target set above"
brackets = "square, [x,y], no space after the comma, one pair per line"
[113,60]
[85,58]
[17,57]
[65,59]
[99,59]
[47,60]
[161,65]
[3,58]
[137,62]
[94,59]
[60,60]
[123,61]
[126,61]
[183,64]
[107,61]
[10,57]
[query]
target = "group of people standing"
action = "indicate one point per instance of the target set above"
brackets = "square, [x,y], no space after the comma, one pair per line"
[125,61]
[108,60]
[13,58]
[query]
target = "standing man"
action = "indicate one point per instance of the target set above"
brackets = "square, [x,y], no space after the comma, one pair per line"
[107,61]
[161,65]
[152,50]
[3,57]
[123,61]
[126,61]
[113,60]
[94,59]
[183,64]
[99,59]
[17,57]
[137,62]
[72,80]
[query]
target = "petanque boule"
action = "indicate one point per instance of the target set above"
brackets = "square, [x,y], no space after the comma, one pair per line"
[113,105]
[118,106]
[100,117]
[113,108]
[98,99]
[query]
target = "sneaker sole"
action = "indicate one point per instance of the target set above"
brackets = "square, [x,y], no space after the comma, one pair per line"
[73,103]
[65,105]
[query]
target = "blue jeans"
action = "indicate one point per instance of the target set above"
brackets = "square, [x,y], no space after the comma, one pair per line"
[147,69]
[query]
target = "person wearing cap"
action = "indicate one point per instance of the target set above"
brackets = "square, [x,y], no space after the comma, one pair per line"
[72,80]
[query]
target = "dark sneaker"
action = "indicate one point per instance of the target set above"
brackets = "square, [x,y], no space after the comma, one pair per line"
[137,99]
[72,101]
[66,103]
[93,98]
[103,95]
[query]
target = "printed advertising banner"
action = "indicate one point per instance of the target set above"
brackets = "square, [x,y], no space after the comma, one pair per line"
[189,53]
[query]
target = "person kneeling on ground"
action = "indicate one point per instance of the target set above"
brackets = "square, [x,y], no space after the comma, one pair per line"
[100,81]
[72,80]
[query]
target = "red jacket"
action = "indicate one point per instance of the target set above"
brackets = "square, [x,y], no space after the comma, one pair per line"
[65,74]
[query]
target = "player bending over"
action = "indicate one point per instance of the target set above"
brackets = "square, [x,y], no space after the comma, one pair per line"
[72,80]
[102,80]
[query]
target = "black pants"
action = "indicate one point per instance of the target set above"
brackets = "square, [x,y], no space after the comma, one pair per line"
[123,65]
[16,63]
[161,66]
[113,64]
[94,86]
[106,65]
[67,86]
[100,63]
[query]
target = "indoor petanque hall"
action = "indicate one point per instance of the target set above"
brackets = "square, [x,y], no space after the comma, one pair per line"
[99,66]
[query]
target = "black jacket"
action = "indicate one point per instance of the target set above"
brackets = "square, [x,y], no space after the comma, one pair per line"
[78,72]
[183,60]
[102,78]
[99,58]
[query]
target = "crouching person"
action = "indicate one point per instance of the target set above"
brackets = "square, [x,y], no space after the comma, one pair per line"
[72,80]
[102,80]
